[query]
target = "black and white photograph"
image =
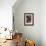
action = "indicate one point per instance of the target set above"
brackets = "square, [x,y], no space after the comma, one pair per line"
[28,19]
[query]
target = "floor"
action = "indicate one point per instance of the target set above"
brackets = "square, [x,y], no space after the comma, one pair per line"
[13,42]
[9,43]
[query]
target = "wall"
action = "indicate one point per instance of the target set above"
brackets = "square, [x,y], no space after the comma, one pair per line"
[6,16]
[43,22]
[6,13]
[29,32]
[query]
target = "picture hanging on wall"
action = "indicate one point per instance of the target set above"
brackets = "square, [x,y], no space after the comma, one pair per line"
[28,19]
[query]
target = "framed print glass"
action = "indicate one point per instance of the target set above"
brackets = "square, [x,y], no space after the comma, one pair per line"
[28,19]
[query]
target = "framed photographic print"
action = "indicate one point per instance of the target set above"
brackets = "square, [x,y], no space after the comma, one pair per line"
[28,19]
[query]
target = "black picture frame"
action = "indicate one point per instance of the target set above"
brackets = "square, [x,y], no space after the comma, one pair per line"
[28,19]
